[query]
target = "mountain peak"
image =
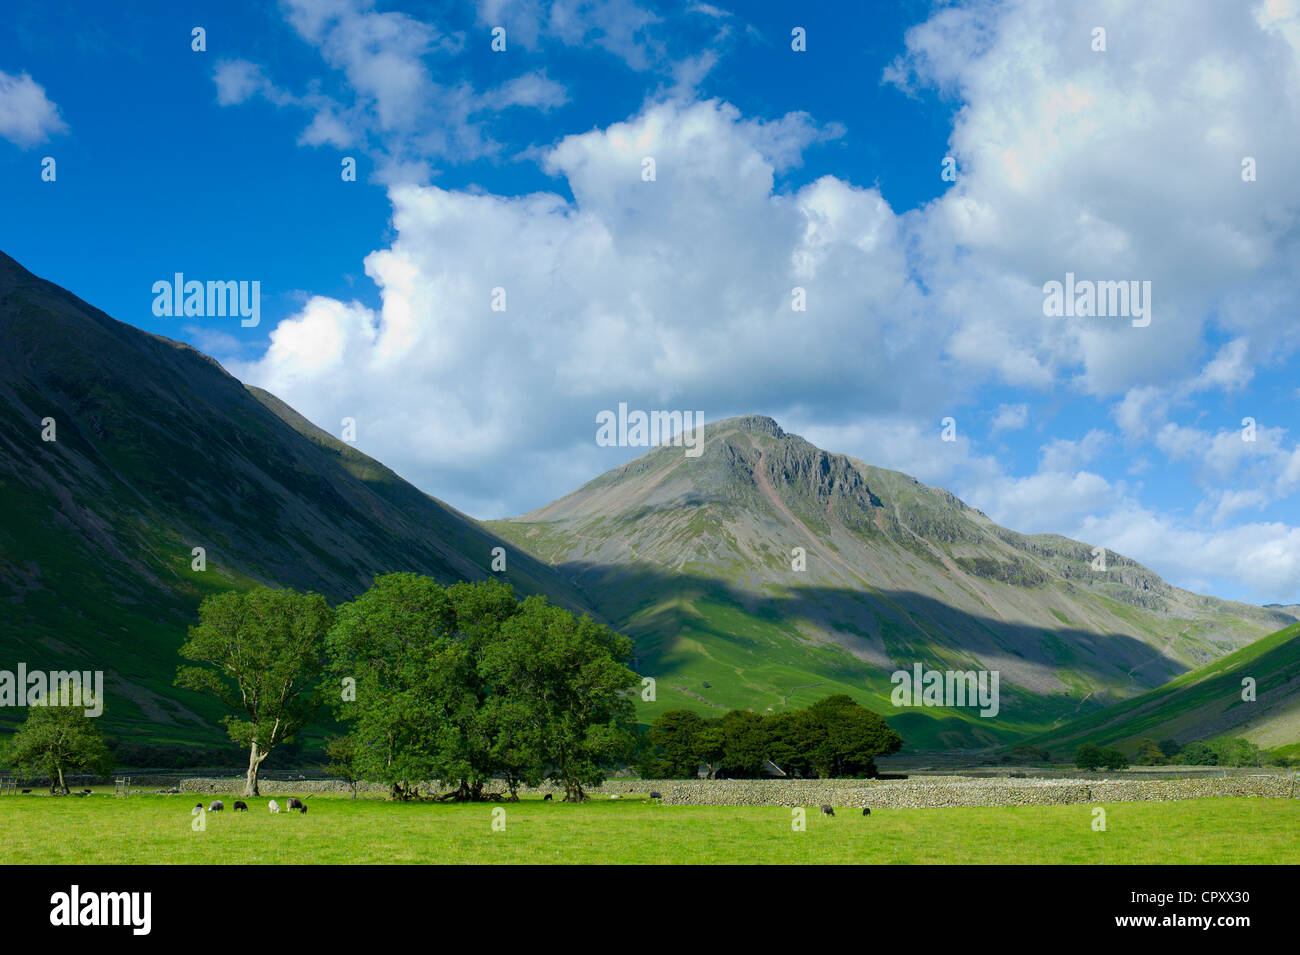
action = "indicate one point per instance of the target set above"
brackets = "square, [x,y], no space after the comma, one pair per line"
[751,424]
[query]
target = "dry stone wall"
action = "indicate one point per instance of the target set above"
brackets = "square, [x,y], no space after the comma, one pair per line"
[931,792]
[944,792]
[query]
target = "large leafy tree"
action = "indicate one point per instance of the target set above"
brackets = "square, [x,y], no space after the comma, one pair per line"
[261,652]
[56,740]
[566,676]
[854,738]
[423,709]
[395,642]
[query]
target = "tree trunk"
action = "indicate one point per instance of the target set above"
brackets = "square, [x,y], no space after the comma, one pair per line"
[63,786]
[250,783]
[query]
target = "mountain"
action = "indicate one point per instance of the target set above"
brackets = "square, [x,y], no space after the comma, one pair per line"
[1205,703]
[157,451]
[693,558]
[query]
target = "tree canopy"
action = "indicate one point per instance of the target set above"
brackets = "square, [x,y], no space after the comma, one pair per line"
[262,652]
[56,740]
[835,737]
[464,683]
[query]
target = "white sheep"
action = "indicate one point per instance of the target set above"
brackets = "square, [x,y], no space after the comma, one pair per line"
[275,806]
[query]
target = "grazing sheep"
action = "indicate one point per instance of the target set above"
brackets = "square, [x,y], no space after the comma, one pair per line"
[296,803]
[198,808]
[26,791]
[615,796]
[547,798]
[241,806]
[866,811]
[273,806]
[217,806]
[85,792]
[828,810]
[655,795]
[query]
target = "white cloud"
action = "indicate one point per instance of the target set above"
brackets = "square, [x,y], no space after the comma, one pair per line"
[535,90]
[1062,454]
[676,293]
[1010,418]
[1262,558]
[1043,502]
[27,116]
[394,105]
[623,28]
[1117,165]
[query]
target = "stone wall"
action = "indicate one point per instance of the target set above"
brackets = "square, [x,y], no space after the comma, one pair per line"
[941,792]
[929,793]
[270,787]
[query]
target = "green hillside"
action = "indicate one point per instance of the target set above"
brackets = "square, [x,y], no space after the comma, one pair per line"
[1205,703]
[158,451]
[693,558]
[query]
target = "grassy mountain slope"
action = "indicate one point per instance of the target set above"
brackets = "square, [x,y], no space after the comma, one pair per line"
[158,450]
[693,558]
[1206,702]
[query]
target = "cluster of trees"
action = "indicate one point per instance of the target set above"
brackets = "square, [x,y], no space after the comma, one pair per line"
[834,737]
[1228,751]
[1093,757]
[460,684]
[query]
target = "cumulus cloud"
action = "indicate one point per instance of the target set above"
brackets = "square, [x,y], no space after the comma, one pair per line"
[1116,165]
[604,300]
[27,116]
[677,292]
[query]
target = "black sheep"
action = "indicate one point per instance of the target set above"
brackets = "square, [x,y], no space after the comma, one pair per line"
[828,811]
[548,797]
[296,803]
[241,806]
[655,795]
[866,811]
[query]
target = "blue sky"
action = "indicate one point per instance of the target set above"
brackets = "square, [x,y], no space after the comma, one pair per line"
[775,168]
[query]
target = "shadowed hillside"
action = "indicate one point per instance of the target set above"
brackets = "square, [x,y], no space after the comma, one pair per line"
[158,451]
[693,557]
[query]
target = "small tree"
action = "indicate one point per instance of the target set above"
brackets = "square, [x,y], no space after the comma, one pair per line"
[56,740]
[342,751]
[1113,759]
[1198,754]
[672,750]
[1149,753]
[264,649]
[710,747]
[1088,757]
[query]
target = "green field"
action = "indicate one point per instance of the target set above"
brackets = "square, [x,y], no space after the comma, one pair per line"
[156,829]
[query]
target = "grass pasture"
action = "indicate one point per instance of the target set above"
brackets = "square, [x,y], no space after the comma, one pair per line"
[156,829]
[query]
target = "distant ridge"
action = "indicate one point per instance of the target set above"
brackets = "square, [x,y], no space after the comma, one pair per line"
[693,557]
